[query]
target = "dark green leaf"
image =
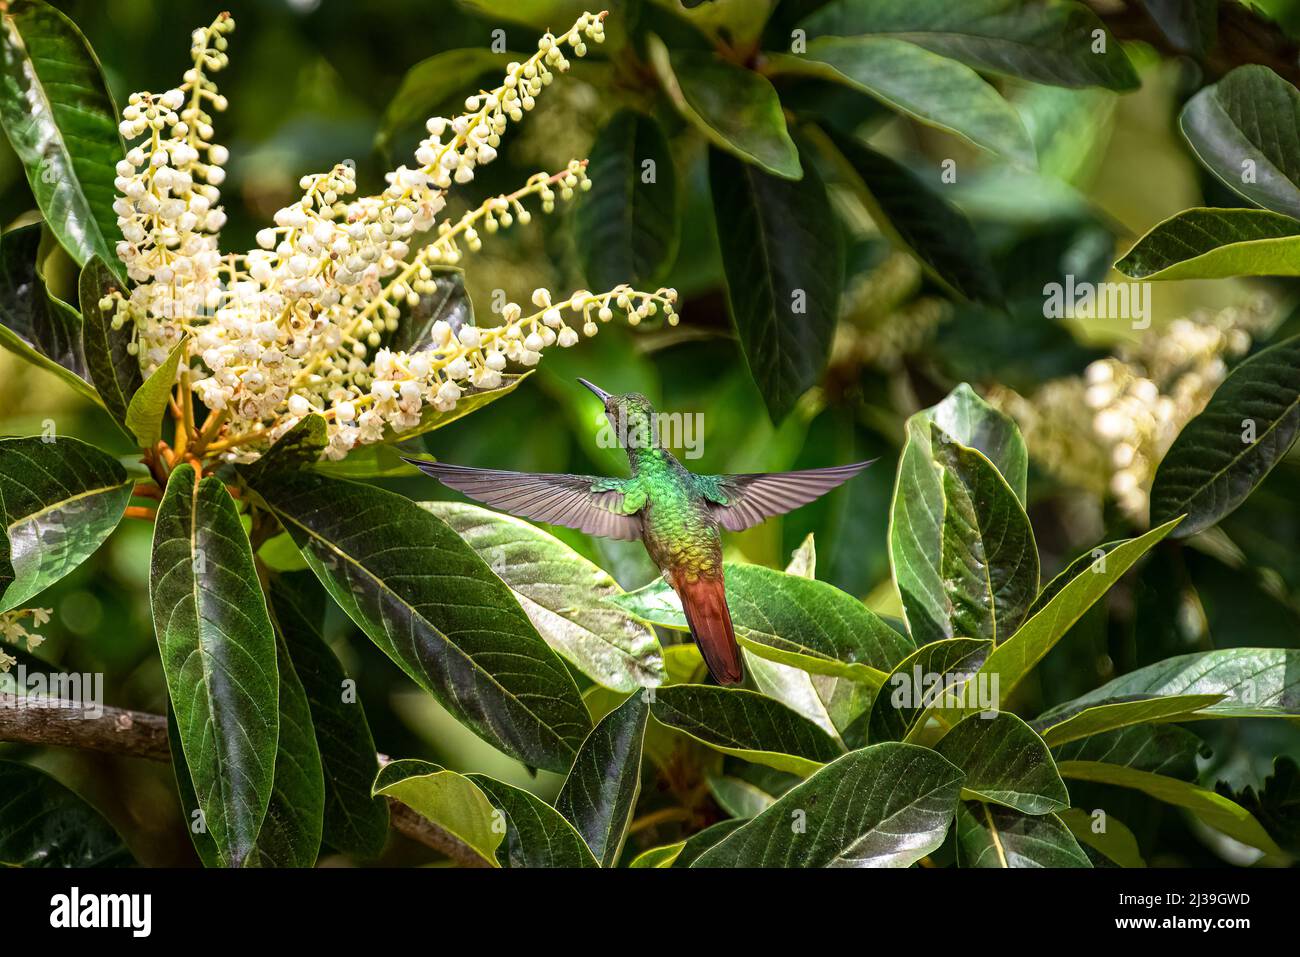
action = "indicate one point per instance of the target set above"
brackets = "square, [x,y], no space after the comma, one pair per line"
[1190,25]
[1277,804]
[433,606]
[60,119]
[1048,43]
[450,800]
[432,85]
[701,841]
[746,724]
[298,448]
[991,836]
[1005,762]
[449,302]
[791,620]
[782,257]
[914,686]
[930,88]
[736,109]
[1071,721]
[1163,749]
[1222,455]
[600,793]
[354,821]
[1215,244]
[114,371]
[1244,129]
[61,499]
[884,806]
[627,226]
[537,835]
[44,824]
[219,657]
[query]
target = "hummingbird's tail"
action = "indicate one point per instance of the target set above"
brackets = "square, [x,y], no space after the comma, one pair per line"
[704,601]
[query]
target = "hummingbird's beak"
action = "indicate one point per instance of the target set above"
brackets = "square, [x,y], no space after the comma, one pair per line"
[600,393]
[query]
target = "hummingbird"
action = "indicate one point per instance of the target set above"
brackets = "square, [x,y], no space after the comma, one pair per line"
[677,514]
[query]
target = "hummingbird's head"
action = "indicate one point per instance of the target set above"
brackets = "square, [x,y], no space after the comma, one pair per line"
[631,415]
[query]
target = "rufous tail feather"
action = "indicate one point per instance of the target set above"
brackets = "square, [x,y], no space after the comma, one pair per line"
[704,601]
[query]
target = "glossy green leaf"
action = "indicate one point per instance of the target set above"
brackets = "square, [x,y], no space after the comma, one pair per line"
[537,835]
[450,800]
[793,687]
[658,856]
[745,724]
[299,448]
[432,605]
[627,226]
[783,267]
[1244,130]
[1049,43]
[354,821]
[991,836]
[437,84]
[600,793]
[988,556]
[928,87]
[34,325]
[914,686]
[114,371]
[1223,454]
[699,842]
[144,413]
[790,620]
[60,119]
[44,824]
[1219,812]
[204,844]
[1069,722]
[471,401]
[1005,762]
[1105,834]
[738,797]
[1165,749]
[1215,244]
[218,655]
[918,218]
[61,500]
[736,109]
[448,301]
[563,595]
[1016,657]
[884,806]
[917,516]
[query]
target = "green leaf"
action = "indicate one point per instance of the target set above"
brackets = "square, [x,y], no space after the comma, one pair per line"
[783,262]
[699,842]
[922,222]
[1247,124]
[989,836]
[917,516]
[932,89]
[563,595]
[1163,749]
[1106,834]
[1069,722]
[450,800]
[1005,762]
[745,724]
[1215,244]
[914,686]
[61,500]
[884,806]
[627,226]
[60,119]
[794,688]
[354,821]
[448,301]
[114,371]
[736,109]
[34,325]
[147,407]
[658,856]
[738,797]
[1223,454]
[291,831]
[1051,43]
[791,620]
[471,401]
[537,835]
[1213,809]
[1253,682]
[204,844]
[600,793]
[44,824]
[218,655]
[431,85]
[988,558]
[1015,657]
[432,605]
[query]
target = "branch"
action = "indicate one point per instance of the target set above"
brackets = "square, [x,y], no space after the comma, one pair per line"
[138,734]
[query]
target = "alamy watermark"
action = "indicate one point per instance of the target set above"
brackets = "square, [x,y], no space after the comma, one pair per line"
[670,430]
[1130,301]
[969,690]
[75,691]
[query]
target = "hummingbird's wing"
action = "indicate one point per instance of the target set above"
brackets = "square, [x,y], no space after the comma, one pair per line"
[743,501]
[588,503]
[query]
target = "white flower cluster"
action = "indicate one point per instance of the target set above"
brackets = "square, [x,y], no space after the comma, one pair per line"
[14,632]
[300,324]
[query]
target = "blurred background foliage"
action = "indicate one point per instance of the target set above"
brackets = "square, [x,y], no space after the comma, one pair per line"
[312,82]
